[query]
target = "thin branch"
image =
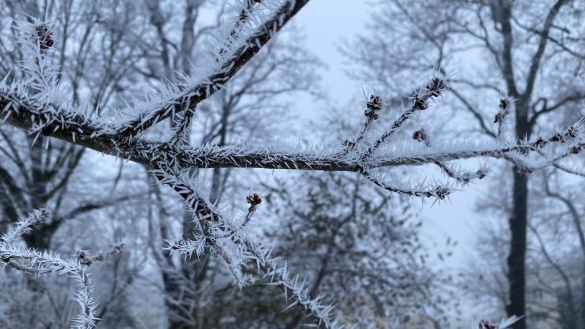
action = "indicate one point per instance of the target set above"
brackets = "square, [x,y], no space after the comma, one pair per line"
[217,80]
[537,57]
[576,97]
[419,103]
[464,177]
[239,24]
[41,263]
[207,216]
[373,106]
[438,192]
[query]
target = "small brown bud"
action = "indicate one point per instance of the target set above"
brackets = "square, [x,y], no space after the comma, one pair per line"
[348,143]
[557,138]
[254,199]
[177,244]
[572,132]
[371,114]
[419,103]
[504,104]
[375,103]
[498,118]
[119,247]
[436,86]
[442,192]
[83,259]
[43,36]
[420,135]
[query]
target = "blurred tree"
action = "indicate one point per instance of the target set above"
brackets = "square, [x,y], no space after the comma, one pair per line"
[530,51]
[555,253]
[356,246]
[95,54]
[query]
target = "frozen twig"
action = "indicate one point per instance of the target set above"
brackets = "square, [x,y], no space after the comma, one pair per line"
[419,103]
[215,228]
[182,131]
[502,114]
[463,177]
[40,263]
[254,200]
[239,24]
[373,106]
[438,192]
[214,82]
[505,324]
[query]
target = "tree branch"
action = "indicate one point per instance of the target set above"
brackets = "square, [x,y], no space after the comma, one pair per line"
[218,79]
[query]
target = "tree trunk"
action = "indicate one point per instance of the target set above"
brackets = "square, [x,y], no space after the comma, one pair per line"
[517,258]
[518,223]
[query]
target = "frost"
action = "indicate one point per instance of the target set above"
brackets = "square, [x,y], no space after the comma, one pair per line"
[41,105]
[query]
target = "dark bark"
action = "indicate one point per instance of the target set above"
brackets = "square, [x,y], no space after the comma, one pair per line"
[519,218]
[517,258]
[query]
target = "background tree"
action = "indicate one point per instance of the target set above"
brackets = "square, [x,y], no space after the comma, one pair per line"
[356,246]
[554,266]
[529,51]
[94,56]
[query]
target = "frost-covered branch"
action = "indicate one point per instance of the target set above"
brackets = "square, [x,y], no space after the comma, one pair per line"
[504,324]
[217,233]
[239,24]
[373,105]
[231,63]
[38,263]
[419,103]
[439,192]
[34,116]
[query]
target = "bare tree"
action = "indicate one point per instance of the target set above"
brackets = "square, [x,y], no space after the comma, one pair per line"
[529,51]
[94,55]
[555,254]
[356,246]
[40,105]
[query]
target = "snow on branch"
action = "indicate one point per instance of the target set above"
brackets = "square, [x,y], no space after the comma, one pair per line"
[237,249]
[230,63]
[38,263]
[504,324]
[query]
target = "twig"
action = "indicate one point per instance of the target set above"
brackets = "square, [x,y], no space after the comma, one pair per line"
[439,192]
